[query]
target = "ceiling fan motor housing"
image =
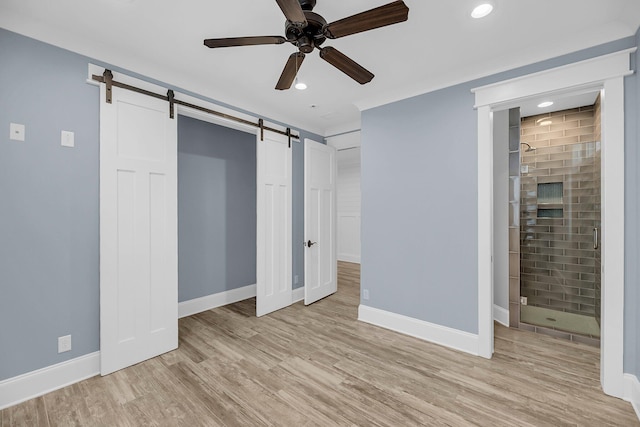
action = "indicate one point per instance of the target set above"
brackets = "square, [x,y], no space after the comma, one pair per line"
[309,37]
[307,4]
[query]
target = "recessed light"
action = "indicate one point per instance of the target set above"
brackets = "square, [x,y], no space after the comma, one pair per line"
[545,104]
[482,10]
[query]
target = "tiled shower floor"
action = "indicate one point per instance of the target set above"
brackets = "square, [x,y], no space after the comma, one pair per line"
[574,323]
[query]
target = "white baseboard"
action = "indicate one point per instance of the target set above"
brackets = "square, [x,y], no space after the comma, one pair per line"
[349,258]
[198,305]
[442,335]
[501,315]
[632,392]
[297,295]
[36,383]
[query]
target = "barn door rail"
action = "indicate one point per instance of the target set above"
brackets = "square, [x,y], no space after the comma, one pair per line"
[107,79]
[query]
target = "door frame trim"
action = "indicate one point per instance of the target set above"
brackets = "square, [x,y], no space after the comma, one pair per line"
[607,74]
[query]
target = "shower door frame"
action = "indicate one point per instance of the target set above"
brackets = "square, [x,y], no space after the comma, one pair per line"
[605,73]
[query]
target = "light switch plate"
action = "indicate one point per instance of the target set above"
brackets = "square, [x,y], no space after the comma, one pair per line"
[67,139]
[16,132]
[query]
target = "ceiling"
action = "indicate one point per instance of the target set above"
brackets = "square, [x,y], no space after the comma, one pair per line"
[438,46]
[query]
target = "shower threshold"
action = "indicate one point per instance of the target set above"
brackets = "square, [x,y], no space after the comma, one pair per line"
[560,321]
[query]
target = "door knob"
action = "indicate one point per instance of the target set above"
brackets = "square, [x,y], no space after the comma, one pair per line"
[310,243]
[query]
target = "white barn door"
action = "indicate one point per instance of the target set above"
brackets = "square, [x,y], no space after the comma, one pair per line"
[138,229]
[274,252]
[320,275]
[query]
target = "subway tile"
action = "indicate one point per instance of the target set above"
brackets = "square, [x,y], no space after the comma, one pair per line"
[514,239]
[547,164]
[579,131]
[564,245]
[578,116]
[579,268]
[560,126]
[588,122]
[548,135]
[589,277]
[514,290]
[563,113]
[583,284]
[591,293]
[564,141]
[564,259]
[566,275]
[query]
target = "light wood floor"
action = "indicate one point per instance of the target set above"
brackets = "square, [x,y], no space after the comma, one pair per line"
[318,366]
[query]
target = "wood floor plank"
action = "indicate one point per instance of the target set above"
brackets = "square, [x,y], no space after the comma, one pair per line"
[318,366]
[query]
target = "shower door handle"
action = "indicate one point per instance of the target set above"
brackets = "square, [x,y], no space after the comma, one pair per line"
[595,238]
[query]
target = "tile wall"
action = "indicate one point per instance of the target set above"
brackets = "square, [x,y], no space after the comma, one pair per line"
[558,264]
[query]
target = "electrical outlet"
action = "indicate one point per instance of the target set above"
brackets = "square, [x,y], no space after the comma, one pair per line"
[16,131]
[64,343]
[67,139]
[523,300]
[365,294]
[295,279]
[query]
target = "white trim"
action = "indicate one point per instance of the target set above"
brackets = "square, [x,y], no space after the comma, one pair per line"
[209,302]
[632,392]
[485,233]
[437,334]
[42,381]
[612,239]
[606,72]
[594,70]
[501,315]
[349,258]
[297,295]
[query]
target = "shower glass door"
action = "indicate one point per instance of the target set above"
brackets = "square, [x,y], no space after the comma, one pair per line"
[560,221]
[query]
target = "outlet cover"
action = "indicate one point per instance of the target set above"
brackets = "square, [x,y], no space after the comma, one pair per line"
[523,300]
[365,294]
[295,279]
[64,343]
[16,132]
[67,139]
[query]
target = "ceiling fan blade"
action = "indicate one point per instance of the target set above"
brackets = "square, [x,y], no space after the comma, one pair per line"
[293,11]
[244,41]
[290,70]
[347,65]
[382,16]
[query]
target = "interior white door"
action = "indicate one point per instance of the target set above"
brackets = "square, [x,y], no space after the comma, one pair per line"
[274,253]
[320,265]
[138,229]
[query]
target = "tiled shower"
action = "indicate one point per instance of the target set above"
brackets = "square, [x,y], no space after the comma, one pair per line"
[559,223]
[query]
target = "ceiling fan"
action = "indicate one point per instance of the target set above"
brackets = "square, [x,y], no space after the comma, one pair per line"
[307,31]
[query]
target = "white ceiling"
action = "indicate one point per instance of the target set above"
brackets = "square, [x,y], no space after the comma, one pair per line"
[439,45]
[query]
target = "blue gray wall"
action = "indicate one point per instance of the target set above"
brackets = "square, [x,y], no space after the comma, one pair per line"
[216,209]
[419,203]
[49,280]
[49,195]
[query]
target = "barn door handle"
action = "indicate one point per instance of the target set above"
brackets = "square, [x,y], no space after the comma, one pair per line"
[595,238]
[309,243]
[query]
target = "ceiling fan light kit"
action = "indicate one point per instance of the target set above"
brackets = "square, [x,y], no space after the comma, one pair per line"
[308,31]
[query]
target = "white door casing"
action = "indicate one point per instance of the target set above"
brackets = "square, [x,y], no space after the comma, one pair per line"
[138,229]
[274,227]
[319,221]
[604,73]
